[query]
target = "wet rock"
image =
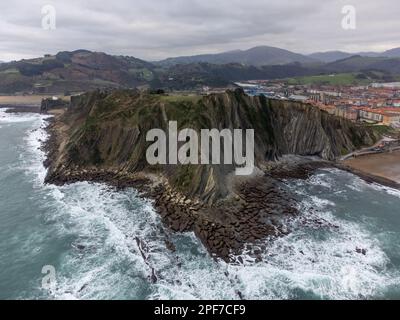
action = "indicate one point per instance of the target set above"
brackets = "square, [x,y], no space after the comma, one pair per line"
[170,246]
[361,251]
[175,226]
[240,295]
[80,247]
[153,276]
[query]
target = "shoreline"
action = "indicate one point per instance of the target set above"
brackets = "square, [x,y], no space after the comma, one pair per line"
[368,177]
[257,211]
[21,109]
[154,273]
[258,208]
[23,100]
[382,168]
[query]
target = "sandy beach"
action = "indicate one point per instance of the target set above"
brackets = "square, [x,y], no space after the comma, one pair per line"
[385,165]
[33,100]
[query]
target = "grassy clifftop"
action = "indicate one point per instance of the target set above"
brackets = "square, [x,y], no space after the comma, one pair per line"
[102,138]
[108,130]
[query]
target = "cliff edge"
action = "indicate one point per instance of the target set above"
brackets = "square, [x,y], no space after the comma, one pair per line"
[102,137]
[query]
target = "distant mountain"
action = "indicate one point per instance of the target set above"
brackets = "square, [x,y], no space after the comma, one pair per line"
[196,74]
[84,70]
[186,76]
[264,56]
[330,56]
[393,53]
[75,71]
[369,54]
[258,56]
[359,63]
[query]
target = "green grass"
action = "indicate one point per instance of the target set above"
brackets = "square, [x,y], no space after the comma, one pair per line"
[10,71]
[184,177]
[187,113]
[180,98]
[43,83]
[382,130]
[144,73]
[337,79]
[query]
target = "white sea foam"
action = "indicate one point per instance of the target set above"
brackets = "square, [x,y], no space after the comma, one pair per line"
[107,221]
[322,264]
[309,263]
[322,180]
[106,224]
[314,261]
[358,184]
[388,190]
[6,118]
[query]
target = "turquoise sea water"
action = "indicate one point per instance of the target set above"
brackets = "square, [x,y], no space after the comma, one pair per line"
[88,233]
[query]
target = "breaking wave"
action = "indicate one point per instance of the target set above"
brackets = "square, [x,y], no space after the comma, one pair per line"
[115,244]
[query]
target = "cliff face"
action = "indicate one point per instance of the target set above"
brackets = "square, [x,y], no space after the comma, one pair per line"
[108,130]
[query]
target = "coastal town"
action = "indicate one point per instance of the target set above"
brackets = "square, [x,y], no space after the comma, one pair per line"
[375,104]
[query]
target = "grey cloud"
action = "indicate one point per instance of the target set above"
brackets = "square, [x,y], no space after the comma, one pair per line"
[153,29]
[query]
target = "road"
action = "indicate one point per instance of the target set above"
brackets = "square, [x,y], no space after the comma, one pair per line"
[376,148]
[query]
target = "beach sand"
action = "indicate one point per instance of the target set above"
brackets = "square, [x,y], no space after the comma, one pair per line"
[385,165]
[24,100]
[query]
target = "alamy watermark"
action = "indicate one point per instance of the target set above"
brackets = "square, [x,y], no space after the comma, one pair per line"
[349,21]
[49,280]
[49,17]
[204,150]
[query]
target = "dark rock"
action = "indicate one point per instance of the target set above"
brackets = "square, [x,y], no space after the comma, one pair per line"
[170,246]
[80,247]
[240,295]
[361,251]
[153,276]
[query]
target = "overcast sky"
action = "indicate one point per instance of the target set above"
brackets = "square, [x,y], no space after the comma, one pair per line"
[155,29]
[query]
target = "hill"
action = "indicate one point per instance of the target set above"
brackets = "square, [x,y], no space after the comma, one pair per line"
[82,70]
[330,56]
[345,79]
[393,53]
[75,71]
[265,55]
[359,63]
[193,75]
[257,56]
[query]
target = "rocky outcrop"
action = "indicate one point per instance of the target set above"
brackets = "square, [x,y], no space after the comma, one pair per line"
[52,103]
[102,137]
[108,129]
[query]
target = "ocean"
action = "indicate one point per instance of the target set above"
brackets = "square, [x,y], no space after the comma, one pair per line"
[345,244]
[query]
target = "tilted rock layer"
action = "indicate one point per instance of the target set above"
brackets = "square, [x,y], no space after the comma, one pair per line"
[102,137]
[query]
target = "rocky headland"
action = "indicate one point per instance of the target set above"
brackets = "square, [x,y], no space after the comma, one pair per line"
[102,138]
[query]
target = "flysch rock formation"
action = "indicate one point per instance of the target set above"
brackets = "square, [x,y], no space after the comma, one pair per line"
[102,138]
